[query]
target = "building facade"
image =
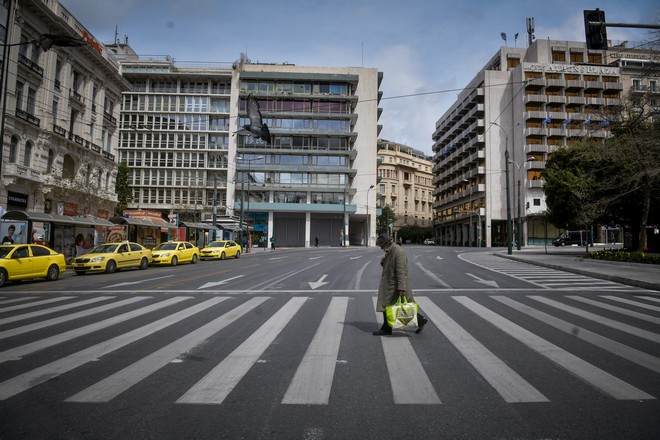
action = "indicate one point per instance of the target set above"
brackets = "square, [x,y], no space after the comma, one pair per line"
[179,138]
[60,107]
[405,184]
[492,144]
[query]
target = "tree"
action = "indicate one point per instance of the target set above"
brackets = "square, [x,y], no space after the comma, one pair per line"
[123,189]
[608,180]
[384,220]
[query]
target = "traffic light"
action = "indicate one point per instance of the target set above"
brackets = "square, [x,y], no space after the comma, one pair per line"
[595,29]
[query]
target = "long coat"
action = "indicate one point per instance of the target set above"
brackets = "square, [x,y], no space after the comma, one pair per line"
[394,278]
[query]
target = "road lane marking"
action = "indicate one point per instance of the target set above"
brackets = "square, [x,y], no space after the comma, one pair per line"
[218,283]
[18,352]
[644,334]
[619,349]
[70,317]
[410,383]
[319,283]
[53,309]
[36,303]
[508,384]
[130,283]
[433,276]
[313,379]
[620,310]
[589,373]
[114,385]
[221,380]
[632,303]
[46,372]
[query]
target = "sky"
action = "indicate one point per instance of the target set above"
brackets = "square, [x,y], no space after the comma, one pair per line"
[427,50]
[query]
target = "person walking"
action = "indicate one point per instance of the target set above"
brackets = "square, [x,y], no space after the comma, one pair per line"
[394,282]
[316,241]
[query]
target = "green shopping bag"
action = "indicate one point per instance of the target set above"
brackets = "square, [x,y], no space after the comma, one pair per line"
[402,314]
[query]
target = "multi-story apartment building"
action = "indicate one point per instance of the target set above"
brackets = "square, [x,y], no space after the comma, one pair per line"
[178,136]
[505,124]
[59,117]
[405,183]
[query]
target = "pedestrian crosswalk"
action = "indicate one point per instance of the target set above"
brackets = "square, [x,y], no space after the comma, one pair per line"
[602,340]
[544,277]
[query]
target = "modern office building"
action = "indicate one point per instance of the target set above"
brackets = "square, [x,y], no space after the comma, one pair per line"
[405,183]
[491,145]
[179,138]
[60,109]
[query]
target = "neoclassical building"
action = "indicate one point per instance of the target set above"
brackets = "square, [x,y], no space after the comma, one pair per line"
[405,183]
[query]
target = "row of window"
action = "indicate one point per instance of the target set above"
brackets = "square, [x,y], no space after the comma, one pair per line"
[301,87]
[175,103]
[299,142]
[302,106]
[189,122]
[198,197]
[179,141]
[305,124]
[184,159]
[175,86]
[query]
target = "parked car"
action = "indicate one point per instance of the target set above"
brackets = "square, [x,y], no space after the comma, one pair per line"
[26,261]
[221,249]
[110,257]
[572,237]
[175,252]
[429,242]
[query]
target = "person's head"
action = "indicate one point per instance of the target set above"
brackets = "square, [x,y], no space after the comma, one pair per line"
[80,240]
[384,241]
[11,229]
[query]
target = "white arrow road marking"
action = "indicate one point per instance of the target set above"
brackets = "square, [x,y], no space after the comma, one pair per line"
[432,276]
[128,283]
[482,281]
[319,283]
[439,258]
[217,283]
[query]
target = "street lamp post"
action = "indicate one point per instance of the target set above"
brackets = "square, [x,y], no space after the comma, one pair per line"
[45,42]
[509,226]
[368,217]
[249,161]
[469,224]
[518,217]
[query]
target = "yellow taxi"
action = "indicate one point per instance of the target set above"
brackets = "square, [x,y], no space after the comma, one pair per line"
[221,249]
[175,252]
[109,257]
[25,261]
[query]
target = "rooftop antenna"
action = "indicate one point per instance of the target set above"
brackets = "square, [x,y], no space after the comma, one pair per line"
[116,34]
[530,31]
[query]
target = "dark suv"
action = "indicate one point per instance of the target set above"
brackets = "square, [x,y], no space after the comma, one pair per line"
[572,237]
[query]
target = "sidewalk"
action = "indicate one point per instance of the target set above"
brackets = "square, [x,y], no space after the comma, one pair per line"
[570,259]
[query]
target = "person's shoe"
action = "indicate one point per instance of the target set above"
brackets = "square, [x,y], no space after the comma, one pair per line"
[421,322]
[382,332]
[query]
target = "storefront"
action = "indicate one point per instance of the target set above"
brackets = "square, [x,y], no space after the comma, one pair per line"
[71,236]
[200,234]
[149,232]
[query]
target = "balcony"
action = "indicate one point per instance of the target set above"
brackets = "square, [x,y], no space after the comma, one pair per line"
[108,117]
[28,117]
[76,98]
[82,142]
[20,171]
[31,65]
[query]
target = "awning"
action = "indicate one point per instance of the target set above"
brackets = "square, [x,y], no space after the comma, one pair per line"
[196,225]
[149,223]
[57,219]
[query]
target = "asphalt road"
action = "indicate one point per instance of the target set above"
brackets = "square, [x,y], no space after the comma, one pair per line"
[278,345]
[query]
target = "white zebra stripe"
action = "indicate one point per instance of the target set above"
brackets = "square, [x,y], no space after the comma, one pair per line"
[598,378]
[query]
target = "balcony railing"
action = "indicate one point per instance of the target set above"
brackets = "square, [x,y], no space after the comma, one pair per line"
[28,117]
[34,67]
[83,142]
[16,170]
